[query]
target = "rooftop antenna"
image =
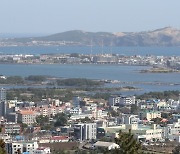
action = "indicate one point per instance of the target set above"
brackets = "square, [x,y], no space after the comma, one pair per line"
[111,48]
[91,47]
[102,47]
[91,50]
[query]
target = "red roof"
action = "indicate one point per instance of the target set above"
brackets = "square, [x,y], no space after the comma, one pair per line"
[59,138]
[164,120]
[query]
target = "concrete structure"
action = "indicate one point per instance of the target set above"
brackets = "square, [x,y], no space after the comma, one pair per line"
[148,115]
[85,131]
[42,150]
[105,59]
[76,101]
[141,132]
[3,106]
[23,146]
[11,129]
[107,145]
[27,117]
[129,119]
[5,137]
[127,100]
[114,101]
[172,130]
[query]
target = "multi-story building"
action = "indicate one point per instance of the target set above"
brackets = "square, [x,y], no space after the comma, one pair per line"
[3,106]
[105,59]
[85,131]
[127,100]
[172,130]
[21,147]
[11,129]
[76,101]
[2,95]
[130,119]
[141,132]
[27,116]
[90,131]
[114,100]
[49,111]
[148,115]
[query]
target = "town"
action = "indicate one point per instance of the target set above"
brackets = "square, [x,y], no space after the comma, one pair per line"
[88,124]
[159,63]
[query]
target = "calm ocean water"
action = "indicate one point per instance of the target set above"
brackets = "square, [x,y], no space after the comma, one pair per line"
[127,74]
[166,51]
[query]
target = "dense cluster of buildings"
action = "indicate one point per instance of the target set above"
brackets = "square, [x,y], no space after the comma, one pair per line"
[89,120]
[148,60]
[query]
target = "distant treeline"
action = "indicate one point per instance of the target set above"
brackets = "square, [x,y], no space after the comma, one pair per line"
[37,94]
[36,78]
[60,82]
[160,95]
[78,82]
[21,80]
[12,80]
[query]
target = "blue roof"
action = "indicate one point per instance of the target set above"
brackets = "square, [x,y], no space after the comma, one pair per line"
[19,137]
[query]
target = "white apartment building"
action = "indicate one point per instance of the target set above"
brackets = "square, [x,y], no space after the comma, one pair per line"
[148,115]
[90,131]
[129,119]
[172,130]
[11,129]
[24,146]
[75,111]
[49,111]
[127,100]
[85,131]
[141,132]
[114,100]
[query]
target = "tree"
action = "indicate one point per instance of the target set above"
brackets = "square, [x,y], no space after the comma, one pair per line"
[134,109]
[61,119]
[2,147]
[128,144]
[41,120]
[176,150]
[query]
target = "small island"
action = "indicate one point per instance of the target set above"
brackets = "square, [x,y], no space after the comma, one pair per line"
[159,70]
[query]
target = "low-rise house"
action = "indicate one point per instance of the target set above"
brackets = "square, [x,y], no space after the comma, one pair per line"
[59,139]
[42,150]
[141,132]
[107,145]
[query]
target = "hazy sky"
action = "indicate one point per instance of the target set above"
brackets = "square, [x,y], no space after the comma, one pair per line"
[51,16]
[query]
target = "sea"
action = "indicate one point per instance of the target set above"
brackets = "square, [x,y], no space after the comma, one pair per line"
[125,75]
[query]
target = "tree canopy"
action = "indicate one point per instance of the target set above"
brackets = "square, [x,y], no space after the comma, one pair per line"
[2,147]
[128,144]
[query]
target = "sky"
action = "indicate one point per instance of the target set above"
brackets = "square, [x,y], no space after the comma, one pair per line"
[53,16]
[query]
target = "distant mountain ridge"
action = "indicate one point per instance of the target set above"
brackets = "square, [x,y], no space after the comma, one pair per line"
[167,36]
